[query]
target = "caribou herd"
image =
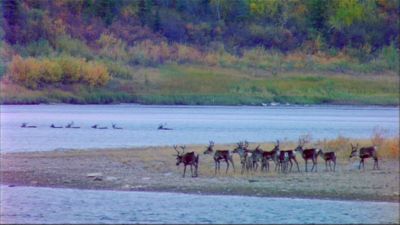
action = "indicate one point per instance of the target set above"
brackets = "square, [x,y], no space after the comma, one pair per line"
[283,159]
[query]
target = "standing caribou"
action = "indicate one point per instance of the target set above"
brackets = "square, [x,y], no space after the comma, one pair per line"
[328,157]
[270,156]
[189,158]
[365,153]
[245,156]
[219,155]
[308,154]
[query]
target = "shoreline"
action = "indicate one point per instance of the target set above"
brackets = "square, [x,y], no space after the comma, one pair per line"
[139,169]
[216,194]
[266,104]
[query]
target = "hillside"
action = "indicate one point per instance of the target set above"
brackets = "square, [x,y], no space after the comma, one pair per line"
[200,52]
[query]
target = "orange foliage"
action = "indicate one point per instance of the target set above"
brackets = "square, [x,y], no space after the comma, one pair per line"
[95,74]
[33,73]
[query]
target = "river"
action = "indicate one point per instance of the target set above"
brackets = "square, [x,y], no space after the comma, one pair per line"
[56,205]
[190,124]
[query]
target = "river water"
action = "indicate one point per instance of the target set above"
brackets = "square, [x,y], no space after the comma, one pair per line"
[191,124]
[49,205]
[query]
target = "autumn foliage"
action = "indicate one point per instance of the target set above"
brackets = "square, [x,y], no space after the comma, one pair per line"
[35,73]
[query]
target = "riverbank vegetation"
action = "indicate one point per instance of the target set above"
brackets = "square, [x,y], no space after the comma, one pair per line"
[200,52]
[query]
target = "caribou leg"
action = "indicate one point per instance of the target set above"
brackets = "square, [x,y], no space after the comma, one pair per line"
[361,161]
[297,164]
[215,162]
[233,165]
[306,165]
[315,163]
[184,170]
[376,163]
[227,166]
[334,165]
[191,170]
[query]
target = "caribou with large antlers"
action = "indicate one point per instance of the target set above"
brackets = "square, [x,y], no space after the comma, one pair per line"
[189,158]
[219,155]
[245,155]
[308,154]
[365,153]
[270,156]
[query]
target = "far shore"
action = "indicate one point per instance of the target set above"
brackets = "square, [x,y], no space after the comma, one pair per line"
[153,169]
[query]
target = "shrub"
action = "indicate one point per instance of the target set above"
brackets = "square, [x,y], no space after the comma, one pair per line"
[50,71]
[95,74]
[73,47]
[25,72]
[33,73]
[112,47]
[390,55]
[39,48]
[71,68]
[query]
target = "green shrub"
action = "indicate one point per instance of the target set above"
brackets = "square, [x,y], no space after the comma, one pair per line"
[74,47]
[39,48]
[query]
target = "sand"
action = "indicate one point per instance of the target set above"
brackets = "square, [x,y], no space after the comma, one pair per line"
[154,169]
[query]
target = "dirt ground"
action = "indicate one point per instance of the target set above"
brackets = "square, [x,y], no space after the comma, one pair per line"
[154,169]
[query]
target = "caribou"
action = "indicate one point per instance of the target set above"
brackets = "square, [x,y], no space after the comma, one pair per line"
[270,156]
[365,153]
[219,155]
[189,158]
[245,156]
[97,127]
[307,154]
[328,157]
[283,161]
[71,125]
[25,125]
[114,126]
[54,126]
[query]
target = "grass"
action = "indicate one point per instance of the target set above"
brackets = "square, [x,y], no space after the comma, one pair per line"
[154,169]
[203,85]
[388,149]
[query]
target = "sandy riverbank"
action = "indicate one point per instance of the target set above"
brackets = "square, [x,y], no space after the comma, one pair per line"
[153,169]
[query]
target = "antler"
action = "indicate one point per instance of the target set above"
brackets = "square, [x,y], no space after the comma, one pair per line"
[183,148]
[211,143]
[176,149]
[302,142]
[277,142]
[246,144]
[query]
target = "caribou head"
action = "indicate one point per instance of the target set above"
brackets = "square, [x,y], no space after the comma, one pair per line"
[353,152]
[300,145]
[209,149]
[179,156]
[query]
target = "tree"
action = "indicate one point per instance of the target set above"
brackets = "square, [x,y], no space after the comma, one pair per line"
[12,15]
[346,13]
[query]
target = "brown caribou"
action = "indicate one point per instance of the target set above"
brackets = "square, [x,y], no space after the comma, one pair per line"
[365,153]
[329,157]
[219,155]
[307,154]
[245,156]
[189,158]
[270,156]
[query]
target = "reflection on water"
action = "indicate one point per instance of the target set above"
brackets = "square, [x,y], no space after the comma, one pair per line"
[47,205]
[191,124]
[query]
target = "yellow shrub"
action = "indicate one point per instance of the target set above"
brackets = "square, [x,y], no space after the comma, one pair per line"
[26,72]
[33,72]
[95,74]
[71,68]
[50,71]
